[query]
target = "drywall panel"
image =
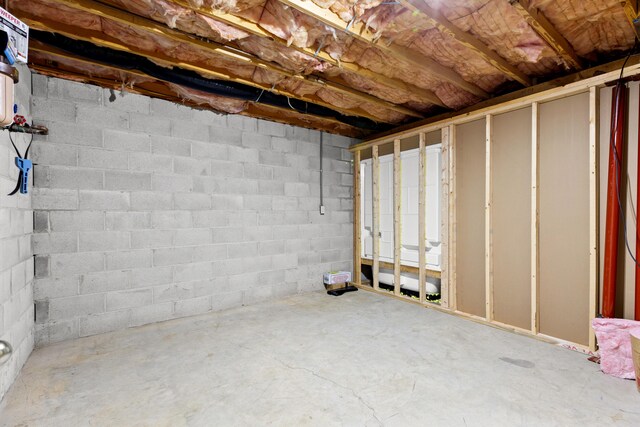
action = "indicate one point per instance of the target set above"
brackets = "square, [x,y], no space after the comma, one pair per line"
[564,218]
[511,217]
[470,218]
[626,273]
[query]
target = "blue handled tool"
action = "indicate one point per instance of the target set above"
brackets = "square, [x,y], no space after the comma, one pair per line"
[25,166]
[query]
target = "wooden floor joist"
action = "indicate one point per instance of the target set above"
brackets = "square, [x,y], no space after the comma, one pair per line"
[449,29]
[631,9]
[102,40]
[541,25]
[254,29]
[157,91]
[413,57]
[157,29]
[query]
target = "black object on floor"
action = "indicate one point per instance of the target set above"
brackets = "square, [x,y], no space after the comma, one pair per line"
[340,291]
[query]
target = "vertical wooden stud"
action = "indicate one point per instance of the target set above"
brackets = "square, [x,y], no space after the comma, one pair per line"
[487,218]
[397,216]
[535,218]
[594,132]
[451,201]
[357,253]
[375,161]
[444,219]
[422,235]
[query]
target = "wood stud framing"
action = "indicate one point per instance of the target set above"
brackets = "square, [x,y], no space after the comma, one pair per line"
[594,132]
[357,253]
[448,128]
[397,216]
[451,202]
[375,171]
[422,236]
[488,253]
[535,219]
[444,215]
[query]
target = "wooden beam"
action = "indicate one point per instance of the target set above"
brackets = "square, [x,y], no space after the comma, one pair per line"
[397,216]
[402,53]
[448,29]
[102,40]
[594,259]
[488,235]
[631,11]
[541,25]
[153,89]
[156,29]
[145,88]
[535,218]
[404,268]
[445,213]
[375,171]
[562,87]
[422,235]
[254,29]
[357,224]
[451,263]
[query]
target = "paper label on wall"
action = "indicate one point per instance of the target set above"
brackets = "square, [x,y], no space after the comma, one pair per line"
[18,35]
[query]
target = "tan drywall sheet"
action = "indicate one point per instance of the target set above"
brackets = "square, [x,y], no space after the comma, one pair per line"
[511,217]
[470,215]
[564,218]
[626,273]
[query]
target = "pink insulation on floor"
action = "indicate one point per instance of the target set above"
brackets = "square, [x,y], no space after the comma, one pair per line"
[614,344]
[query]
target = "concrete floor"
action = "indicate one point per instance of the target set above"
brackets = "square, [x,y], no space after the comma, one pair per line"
[356,360]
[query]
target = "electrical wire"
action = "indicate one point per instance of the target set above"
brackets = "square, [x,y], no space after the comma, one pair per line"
[617,161]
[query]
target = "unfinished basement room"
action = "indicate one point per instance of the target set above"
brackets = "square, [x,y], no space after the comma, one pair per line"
[319,213]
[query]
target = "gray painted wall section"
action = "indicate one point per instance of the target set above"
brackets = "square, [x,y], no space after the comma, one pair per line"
[146,210]
[16,256]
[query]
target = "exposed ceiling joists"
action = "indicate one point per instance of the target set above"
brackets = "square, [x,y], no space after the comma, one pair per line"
[631,10]
[158,89]
[153,27]
[252,28]
[102,40]
[449,29]
[413,57]
[536,19]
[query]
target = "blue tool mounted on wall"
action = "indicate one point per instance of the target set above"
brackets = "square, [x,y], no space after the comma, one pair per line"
[24,164]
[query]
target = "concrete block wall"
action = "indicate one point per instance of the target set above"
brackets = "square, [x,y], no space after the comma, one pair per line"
[146,210]
[16,256]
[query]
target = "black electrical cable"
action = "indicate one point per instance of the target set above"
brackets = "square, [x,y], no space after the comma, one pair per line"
[617,161]
[193,80]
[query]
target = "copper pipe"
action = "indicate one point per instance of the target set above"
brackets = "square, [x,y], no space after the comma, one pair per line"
[618,112]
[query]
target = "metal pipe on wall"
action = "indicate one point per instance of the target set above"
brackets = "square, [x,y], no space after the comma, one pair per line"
[618,113]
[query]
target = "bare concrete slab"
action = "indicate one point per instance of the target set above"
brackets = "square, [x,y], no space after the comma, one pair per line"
[356,360]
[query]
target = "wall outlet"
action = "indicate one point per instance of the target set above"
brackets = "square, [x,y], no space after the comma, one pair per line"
[321,209]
